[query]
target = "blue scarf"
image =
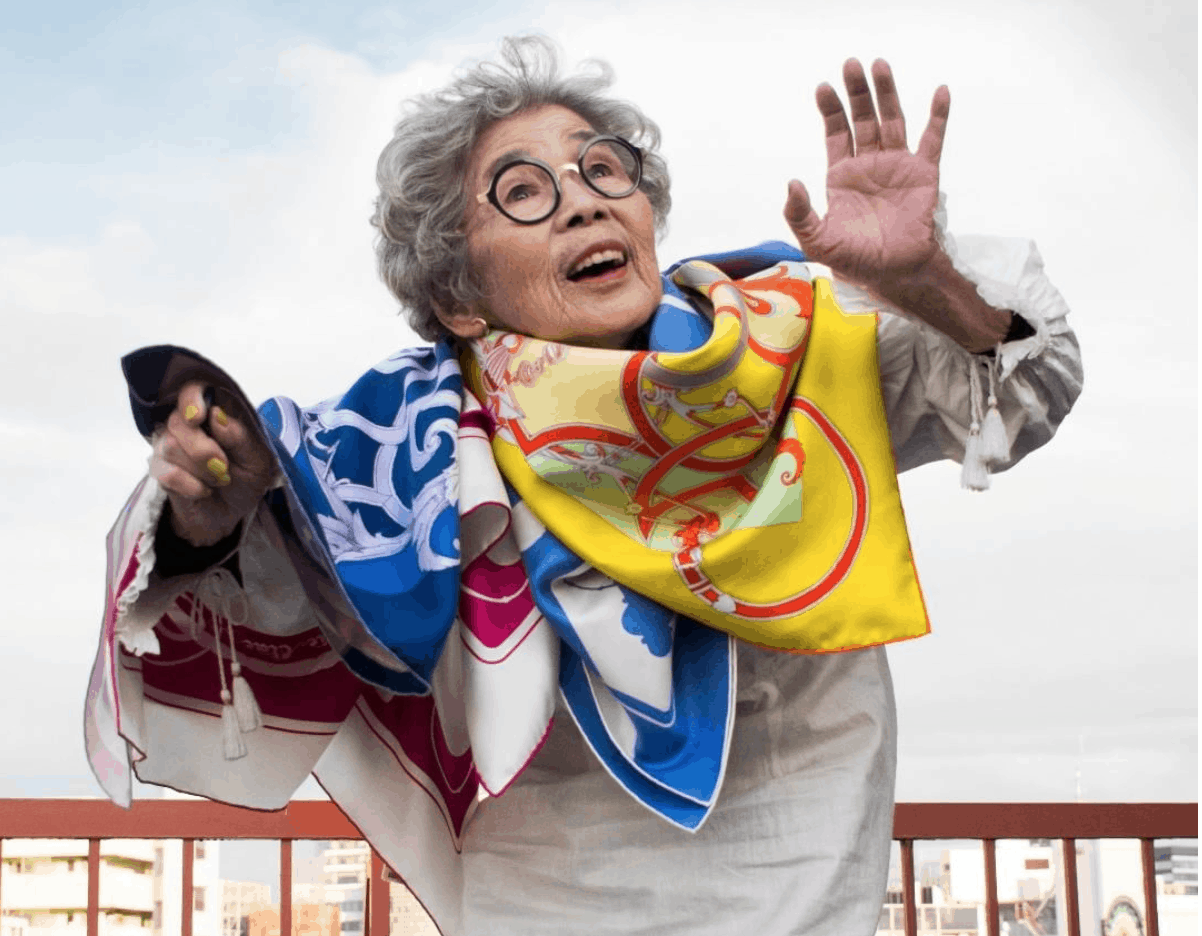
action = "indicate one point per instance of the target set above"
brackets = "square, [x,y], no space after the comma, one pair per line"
[371,489]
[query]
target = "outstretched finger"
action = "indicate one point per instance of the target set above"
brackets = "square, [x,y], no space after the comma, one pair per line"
[863,112]
[800,215]
[930,147]
[834,120]
[893,122]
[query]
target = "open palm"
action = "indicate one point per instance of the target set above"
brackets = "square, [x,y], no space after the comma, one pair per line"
[881,198]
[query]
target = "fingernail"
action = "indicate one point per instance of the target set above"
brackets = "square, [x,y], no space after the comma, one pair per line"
[219,415]
[217,468]
[225,481]
[191,412]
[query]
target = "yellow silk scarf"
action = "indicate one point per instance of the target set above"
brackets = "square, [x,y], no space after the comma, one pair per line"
[748,483]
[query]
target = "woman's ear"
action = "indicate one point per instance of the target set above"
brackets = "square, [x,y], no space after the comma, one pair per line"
[464,323]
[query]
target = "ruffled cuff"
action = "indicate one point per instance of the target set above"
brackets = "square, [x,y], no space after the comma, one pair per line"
[135,632]
[935,390]
[1008,275]
[1003,287]
[149,592]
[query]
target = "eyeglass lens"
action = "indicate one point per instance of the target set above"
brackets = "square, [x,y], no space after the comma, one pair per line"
[526,192]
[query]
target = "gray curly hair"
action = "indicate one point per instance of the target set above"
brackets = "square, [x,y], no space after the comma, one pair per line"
[421,249]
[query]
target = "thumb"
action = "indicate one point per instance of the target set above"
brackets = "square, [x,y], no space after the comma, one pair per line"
[800,214]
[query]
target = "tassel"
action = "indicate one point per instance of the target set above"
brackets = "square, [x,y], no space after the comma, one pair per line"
[246,706]
[973,474]
[995,447]
[231,735]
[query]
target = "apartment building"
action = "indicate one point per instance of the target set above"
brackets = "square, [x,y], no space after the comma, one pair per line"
[11,925]
[206,899]
[308,919]
[1177,865]
[407,917]
[345,867]
[951,892]
[46,887]
[239,899]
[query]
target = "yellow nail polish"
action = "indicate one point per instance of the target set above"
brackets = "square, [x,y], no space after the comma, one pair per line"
[219,415]
[225,481]
[217,468]
[191,412]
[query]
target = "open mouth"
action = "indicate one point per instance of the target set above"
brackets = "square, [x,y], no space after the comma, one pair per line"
[597,264]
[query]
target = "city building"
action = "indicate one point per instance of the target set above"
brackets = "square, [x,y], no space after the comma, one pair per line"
[345,867]
[406,916]
[1177,862]
[207,897]
[239,899]
[308,893]
[46,887]
[11,925]
[951,892]
[308,919]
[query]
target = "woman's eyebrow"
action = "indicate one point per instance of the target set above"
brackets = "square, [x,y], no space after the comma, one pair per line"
[503,159]
[580,136]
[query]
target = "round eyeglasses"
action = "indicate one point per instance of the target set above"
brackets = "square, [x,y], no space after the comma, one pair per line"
[526,190]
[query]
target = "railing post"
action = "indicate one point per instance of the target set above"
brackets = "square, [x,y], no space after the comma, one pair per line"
[1151,911]
[911,907]
[285,887]
[992,926]
[378,898]
[94,887]
[1072,908]
[188,898]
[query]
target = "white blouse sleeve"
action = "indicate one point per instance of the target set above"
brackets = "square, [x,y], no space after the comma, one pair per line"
[938,395]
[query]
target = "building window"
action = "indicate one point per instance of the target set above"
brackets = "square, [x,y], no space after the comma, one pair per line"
[156,919]
[198,899]
[199,850]
[352,926]
[1036,864]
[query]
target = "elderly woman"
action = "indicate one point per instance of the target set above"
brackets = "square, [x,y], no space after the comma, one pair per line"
[551,607]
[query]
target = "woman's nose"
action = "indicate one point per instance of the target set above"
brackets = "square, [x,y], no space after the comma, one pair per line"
[580,204]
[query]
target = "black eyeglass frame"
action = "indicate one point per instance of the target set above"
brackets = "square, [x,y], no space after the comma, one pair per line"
[578,166]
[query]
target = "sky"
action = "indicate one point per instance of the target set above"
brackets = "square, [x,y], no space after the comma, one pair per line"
[202,174]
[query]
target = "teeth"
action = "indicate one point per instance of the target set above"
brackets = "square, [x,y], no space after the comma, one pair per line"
[598,256]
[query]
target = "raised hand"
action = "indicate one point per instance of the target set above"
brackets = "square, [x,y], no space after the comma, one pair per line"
[881,198]
[213,479]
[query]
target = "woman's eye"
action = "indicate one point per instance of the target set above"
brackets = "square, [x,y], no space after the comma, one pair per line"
[518,193]
[522,183]
[599,170]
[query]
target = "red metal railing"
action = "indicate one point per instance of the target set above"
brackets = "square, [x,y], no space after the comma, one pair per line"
[190,820]
[1065,821]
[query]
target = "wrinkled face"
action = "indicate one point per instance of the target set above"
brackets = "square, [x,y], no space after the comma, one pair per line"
[586,275]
